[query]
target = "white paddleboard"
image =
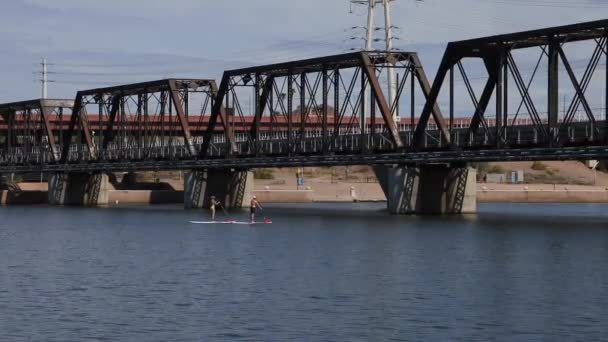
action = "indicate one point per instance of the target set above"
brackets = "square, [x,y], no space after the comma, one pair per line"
[227,222]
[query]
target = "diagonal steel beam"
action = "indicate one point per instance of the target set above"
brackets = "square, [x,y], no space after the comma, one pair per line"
[370,71]
[218,112]
[482,105]
[86,131]
[579,91]
[183,119]
[77,116]
[585,81]
[426,90]
[447,62]
[486,95]
[261,104]
[524,91]
[108,135]
[46,112]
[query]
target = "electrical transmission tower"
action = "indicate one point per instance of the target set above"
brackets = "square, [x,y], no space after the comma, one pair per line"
[44,80]
[389,37]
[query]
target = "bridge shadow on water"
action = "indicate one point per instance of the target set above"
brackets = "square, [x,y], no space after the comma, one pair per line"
[490,216]
[495,217]
[542,216]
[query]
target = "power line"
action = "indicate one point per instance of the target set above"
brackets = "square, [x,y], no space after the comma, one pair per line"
[550,4]
[44,79]
[258,53]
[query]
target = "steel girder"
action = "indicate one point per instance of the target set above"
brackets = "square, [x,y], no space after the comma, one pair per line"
[150,118]
[496,52]
[30,130]
[328,96]
[409,158]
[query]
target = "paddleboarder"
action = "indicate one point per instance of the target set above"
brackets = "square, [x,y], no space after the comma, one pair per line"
[254,206]
[213,203]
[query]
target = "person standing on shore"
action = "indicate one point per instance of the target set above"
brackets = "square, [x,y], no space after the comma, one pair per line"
[254,206]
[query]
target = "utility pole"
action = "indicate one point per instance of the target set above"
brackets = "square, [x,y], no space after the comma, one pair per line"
[388,29]
[369,37]
[388,38]
[44,79]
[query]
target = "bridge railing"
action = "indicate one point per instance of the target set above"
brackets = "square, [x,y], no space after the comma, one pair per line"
[277,145]
[518,136]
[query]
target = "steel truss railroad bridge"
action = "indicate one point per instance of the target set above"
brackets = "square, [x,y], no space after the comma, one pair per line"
[333,111]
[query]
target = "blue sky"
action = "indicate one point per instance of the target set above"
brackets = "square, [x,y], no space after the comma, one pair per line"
[93,43]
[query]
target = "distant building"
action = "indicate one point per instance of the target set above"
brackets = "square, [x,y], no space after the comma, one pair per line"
[517,177]
[498,178]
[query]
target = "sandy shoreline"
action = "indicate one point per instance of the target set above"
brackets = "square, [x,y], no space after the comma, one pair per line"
[285,190]
[328,191]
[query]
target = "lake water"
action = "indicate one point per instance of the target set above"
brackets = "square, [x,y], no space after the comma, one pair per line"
[319,273]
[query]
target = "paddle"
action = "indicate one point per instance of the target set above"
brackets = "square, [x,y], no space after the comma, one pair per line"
[223,209]
[225,212]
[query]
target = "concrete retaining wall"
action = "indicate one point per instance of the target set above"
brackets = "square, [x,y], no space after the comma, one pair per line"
[284,196]
[540,196]
[145,197]
[293,196]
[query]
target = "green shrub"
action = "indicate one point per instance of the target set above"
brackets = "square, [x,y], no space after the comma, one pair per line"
[482,168]
[263,174]
[496,169]
[539,166]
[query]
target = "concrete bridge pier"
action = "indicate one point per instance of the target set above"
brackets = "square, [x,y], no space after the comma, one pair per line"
[429,189]
[233,188]
[78,189]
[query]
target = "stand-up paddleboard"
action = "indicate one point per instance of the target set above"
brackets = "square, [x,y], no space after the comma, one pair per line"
[266,221]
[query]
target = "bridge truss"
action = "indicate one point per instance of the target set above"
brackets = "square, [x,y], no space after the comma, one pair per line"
[136,122]
[28,131]
[332,111]
[311,106]
[544,55]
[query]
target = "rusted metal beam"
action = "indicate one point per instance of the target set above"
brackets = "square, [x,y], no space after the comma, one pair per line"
[447,62]
[370,71]
[426,90]
[579,90]
[218,112]
[483,103]
[86,131]
[149,87]
[78,116]
[525,39]
[109,131]
[261,104]
[35,104]
[182,117]
[46,112]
